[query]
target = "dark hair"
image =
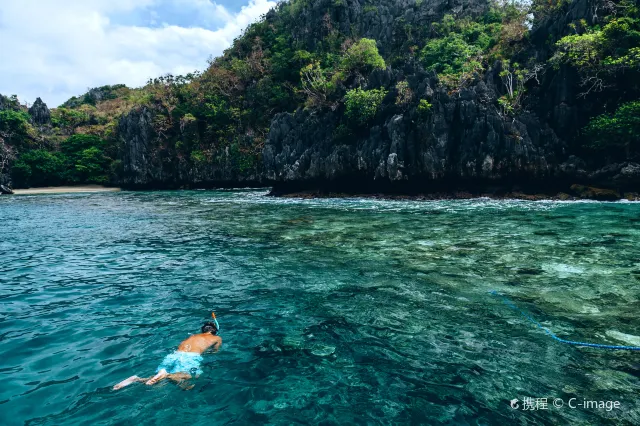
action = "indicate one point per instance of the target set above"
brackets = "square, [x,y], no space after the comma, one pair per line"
[210,327]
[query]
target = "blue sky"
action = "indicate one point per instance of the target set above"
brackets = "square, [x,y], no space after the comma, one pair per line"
[56,49]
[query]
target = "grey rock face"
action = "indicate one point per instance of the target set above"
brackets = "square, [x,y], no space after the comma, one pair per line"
[381,20]
[464,137]
[147,162]
[622,175]
[139,165]
[39,113]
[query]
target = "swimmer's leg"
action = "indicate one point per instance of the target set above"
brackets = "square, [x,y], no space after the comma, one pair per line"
[180,379]
[127,382]
[162,374]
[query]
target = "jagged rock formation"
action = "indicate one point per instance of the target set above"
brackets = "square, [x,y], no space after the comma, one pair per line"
[464,142]
[39,113]
[464,138]
[146,163]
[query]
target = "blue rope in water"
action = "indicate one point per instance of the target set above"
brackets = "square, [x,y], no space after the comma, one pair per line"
[510,304]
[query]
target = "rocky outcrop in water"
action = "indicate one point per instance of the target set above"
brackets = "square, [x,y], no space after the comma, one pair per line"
[465,141]
[464,137]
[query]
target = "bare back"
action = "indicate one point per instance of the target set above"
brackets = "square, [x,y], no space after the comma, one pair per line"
[200,342]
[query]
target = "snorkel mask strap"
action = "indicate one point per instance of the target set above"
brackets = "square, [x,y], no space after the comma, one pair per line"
[213,315]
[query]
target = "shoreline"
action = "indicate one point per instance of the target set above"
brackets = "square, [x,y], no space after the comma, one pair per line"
[584,193]
[457,196]
[65,190]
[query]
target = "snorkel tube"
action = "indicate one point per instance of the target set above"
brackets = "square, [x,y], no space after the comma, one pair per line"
[213,315]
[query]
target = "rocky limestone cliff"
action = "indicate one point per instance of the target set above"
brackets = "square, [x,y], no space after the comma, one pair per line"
[464,142]
[463,138]
[148,163]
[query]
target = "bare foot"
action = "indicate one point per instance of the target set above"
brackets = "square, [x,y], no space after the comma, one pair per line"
[126,382]
[162,374]
[186,386]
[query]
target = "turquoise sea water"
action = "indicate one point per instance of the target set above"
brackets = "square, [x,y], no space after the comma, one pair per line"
[332,311]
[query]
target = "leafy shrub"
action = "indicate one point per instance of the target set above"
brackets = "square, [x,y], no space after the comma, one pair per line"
[65,117]
[86,159]
[13,119]
[363,56]
[90,166]
[579,50]
[602,55]
[363,105]
[424,107]
[198,157]
[460,51]
[77,143]
[316,84]
[546,8]
[97,94]
[449,54]
[242,158]
[10,102]
[14,126]
[40,168]
[617,134]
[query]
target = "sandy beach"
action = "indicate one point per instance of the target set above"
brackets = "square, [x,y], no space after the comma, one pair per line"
[64,190]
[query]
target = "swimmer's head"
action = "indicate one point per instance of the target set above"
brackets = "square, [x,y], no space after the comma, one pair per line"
[210,327]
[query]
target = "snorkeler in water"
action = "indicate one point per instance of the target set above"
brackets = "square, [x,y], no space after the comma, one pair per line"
[185,362]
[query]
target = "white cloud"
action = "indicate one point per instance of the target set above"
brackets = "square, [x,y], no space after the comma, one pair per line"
[56,49]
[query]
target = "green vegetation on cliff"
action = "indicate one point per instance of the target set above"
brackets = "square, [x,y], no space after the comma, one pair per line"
[607,58]
[78,144]
[220,118]
[616,135]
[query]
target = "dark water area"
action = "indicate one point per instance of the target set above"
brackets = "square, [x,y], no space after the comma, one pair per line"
[332,311]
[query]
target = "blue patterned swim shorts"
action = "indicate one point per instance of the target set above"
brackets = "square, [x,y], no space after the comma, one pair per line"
[182,362]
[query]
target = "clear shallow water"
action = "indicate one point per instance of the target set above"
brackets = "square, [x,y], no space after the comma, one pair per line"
[332,311]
